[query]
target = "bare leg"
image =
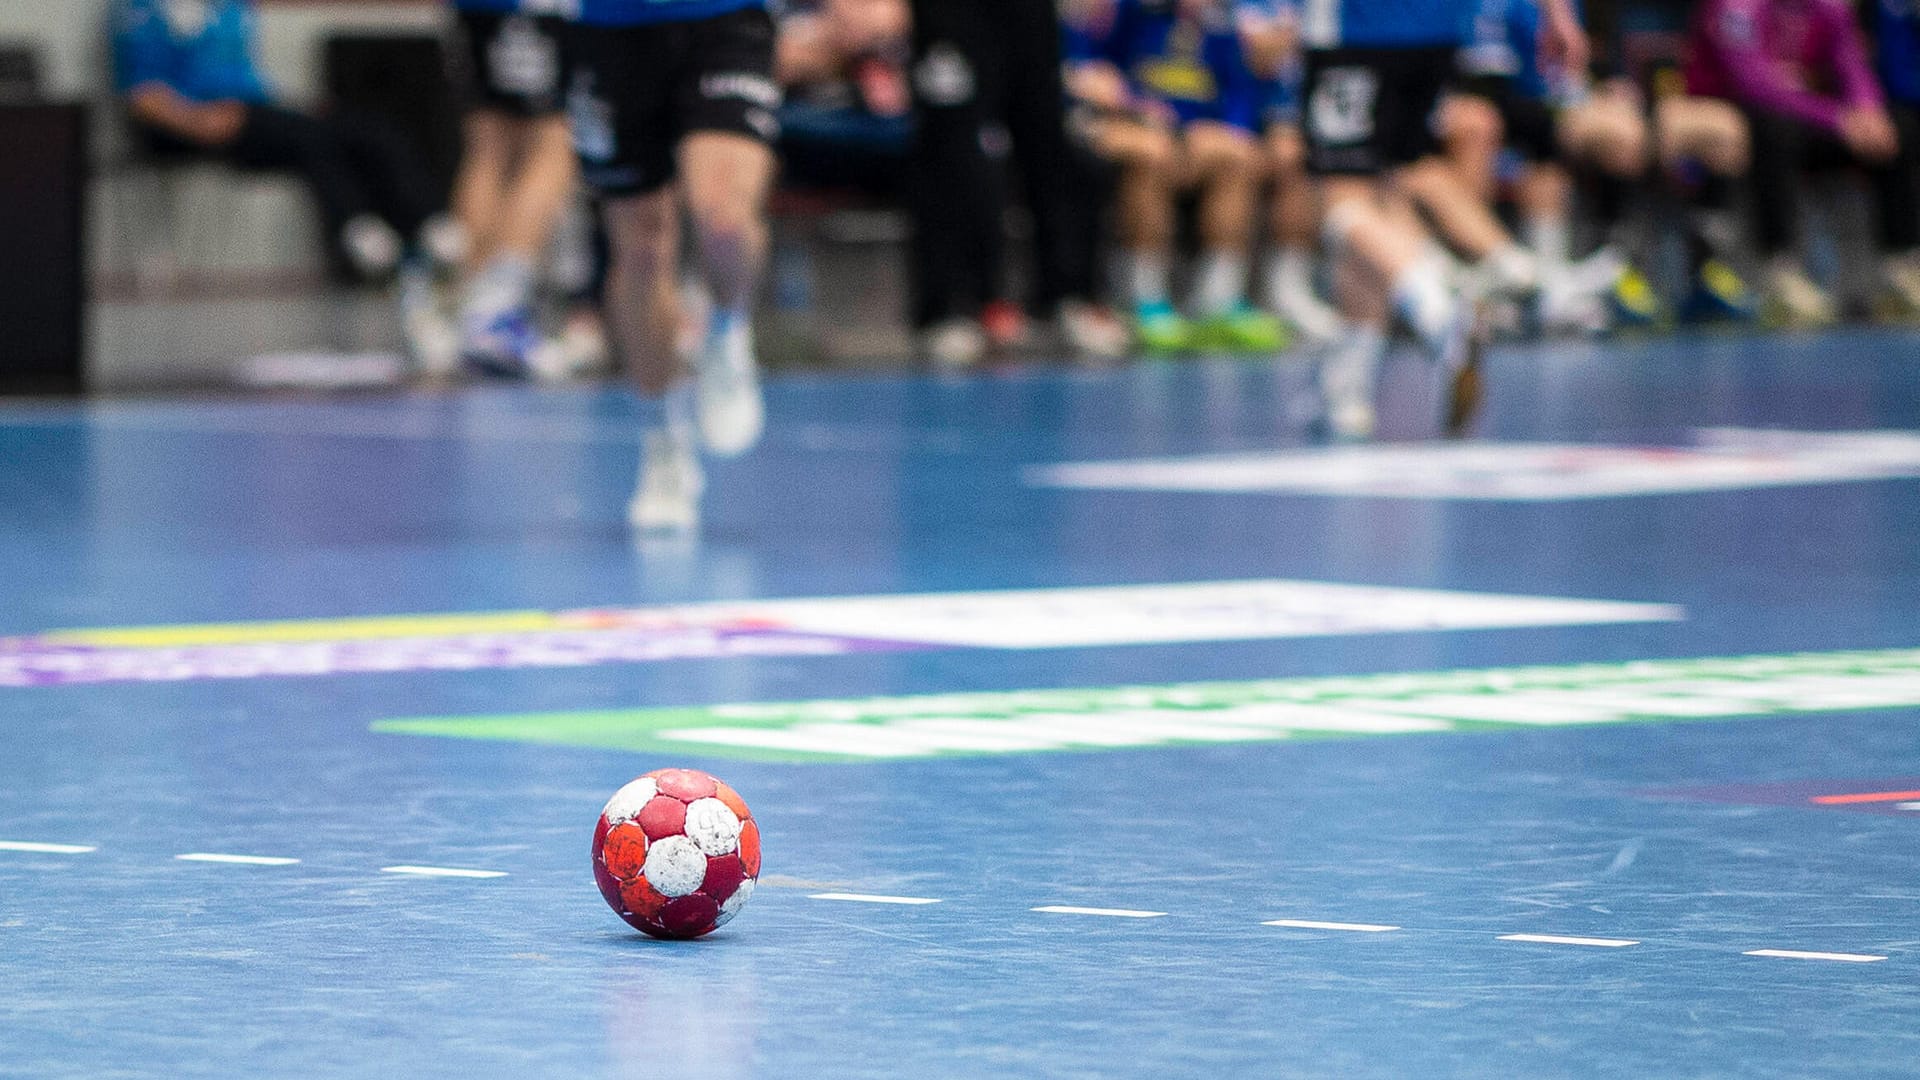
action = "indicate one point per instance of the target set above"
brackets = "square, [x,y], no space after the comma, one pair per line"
[1224,164]
[726,178]
[643,302]
[541,187]
[479,191]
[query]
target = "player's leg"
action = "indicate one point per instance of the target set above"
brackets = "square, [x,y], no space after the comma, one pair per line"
[1781,146]
[480,184]
[1473,134]
[642,303]
[497,318]
[1606,136]
[1470,226]
[1711,136]
[1223,164]
[725,177]
[1147,164]
[1293,226]
[1899,198]
[724,101]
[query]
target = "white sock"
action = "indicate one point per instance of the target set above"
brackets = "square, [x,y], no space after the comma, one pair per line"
[1552,242]
[1147,277]
[505,282]
[1290,292]
[1221,282]
[1422,298]
[1514,269]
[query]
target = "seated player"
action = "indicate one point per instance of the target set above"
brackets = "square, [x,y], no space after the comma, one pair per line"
[516,179]
[1269,34]
[187,72]
[672,109]
[1176,112]
[847,120]
[1897,27]
[1799,71]
[1512,107]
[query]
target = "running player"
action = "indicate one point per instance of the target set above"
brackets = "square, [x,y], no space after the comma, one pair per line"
[672,104]
[516,176]
[1375,73]
[1180,111]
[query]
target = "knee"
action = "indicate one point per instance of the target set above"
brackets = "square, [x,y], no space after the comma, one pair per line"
[1286,154]
[1472,123]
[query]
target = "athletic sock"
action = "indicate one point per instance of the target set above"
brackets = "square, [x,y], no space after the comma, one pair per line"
[506,281]
[1551,239]
[1422,298]
[1513,269]
[1221,283]
[1291,293]
[1147,278]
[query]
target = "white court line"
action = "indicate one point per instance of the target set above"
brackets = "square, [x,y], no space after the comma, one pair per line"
[1309,924]
[1118,913]
[867,898]
[442,871]
[1793,954]
[247,860]
[1907,806]
[1550,939]
[46,849]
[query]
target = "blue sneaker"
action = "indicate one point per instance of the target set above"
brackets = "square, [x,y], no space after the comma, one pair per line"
[1720,294]
[501,345]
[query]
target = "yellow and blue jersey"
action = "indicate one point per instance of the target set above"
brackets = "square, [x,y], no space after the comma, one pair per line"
[1193,66]
[649,12]
[211,62]
[1898,26]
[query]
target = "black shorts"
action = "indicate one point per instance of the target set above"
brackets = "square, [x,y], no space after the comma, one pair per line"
[514,64]
[1532,125]
[639,90]
[1371,110]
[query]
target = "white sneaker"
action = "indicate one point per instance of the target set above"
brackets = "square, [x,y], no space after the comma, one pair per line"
[1347,376]
[431,338]
[1314,318]
[1793,299]
[954,344]
[727,391]
[1574,300]
[668,497]
[1092,330]
[1902,274]
[372,246]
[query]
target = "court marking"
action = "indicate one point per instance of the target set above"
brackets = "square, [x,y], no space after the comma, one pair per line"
[1794,954]
[1185,714]
[46,849]
[867,898]
[442,871]
[1720,459]
[1115,913]
[243,860]
[1310,924]
[1077,617]
[1555,939]
[1866,797]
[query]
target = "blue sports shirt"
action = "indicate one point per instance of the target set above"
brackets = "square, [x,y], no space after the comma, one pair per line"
[1898,23]
[1195,68]
[214,63]
[1376,24]
[649,12]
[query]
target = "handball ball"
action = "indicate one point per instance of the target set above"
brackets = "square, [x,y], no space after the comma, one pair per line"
[676,853]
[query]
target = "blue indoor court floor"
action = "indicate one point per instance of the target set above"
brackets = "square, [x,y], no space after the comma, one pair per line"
[1099,724]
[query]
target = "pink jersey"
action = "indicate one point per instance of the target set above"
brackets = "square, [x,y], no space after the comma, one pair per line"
[1801,58]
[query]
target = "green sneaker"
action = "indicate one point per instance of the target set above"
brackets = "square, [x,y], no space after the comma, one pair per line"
[1159,328]
[1244,329]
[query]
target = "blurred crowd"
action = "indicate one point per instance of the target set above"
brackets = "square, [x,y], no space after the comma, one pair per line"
[1151,156]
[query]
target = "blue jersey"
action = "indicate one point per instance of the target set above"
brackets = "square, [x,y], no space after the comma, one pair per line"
[649,12]
[1384,24]
[210,62]
[1505,41]
[519,7]
[1195,67]
[1898,23]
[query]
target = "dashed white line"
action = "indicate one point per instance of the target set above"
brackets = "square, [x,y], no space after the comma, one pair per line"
[1310,924]
[1794,954]
[46,849]
[1117,913]
[1552,939]
[1907,806]
[245,860]
[867,898]
[442,871]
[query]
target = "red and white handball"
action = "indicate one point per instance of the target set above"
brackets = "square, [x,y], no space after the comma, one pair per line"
[676,853]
